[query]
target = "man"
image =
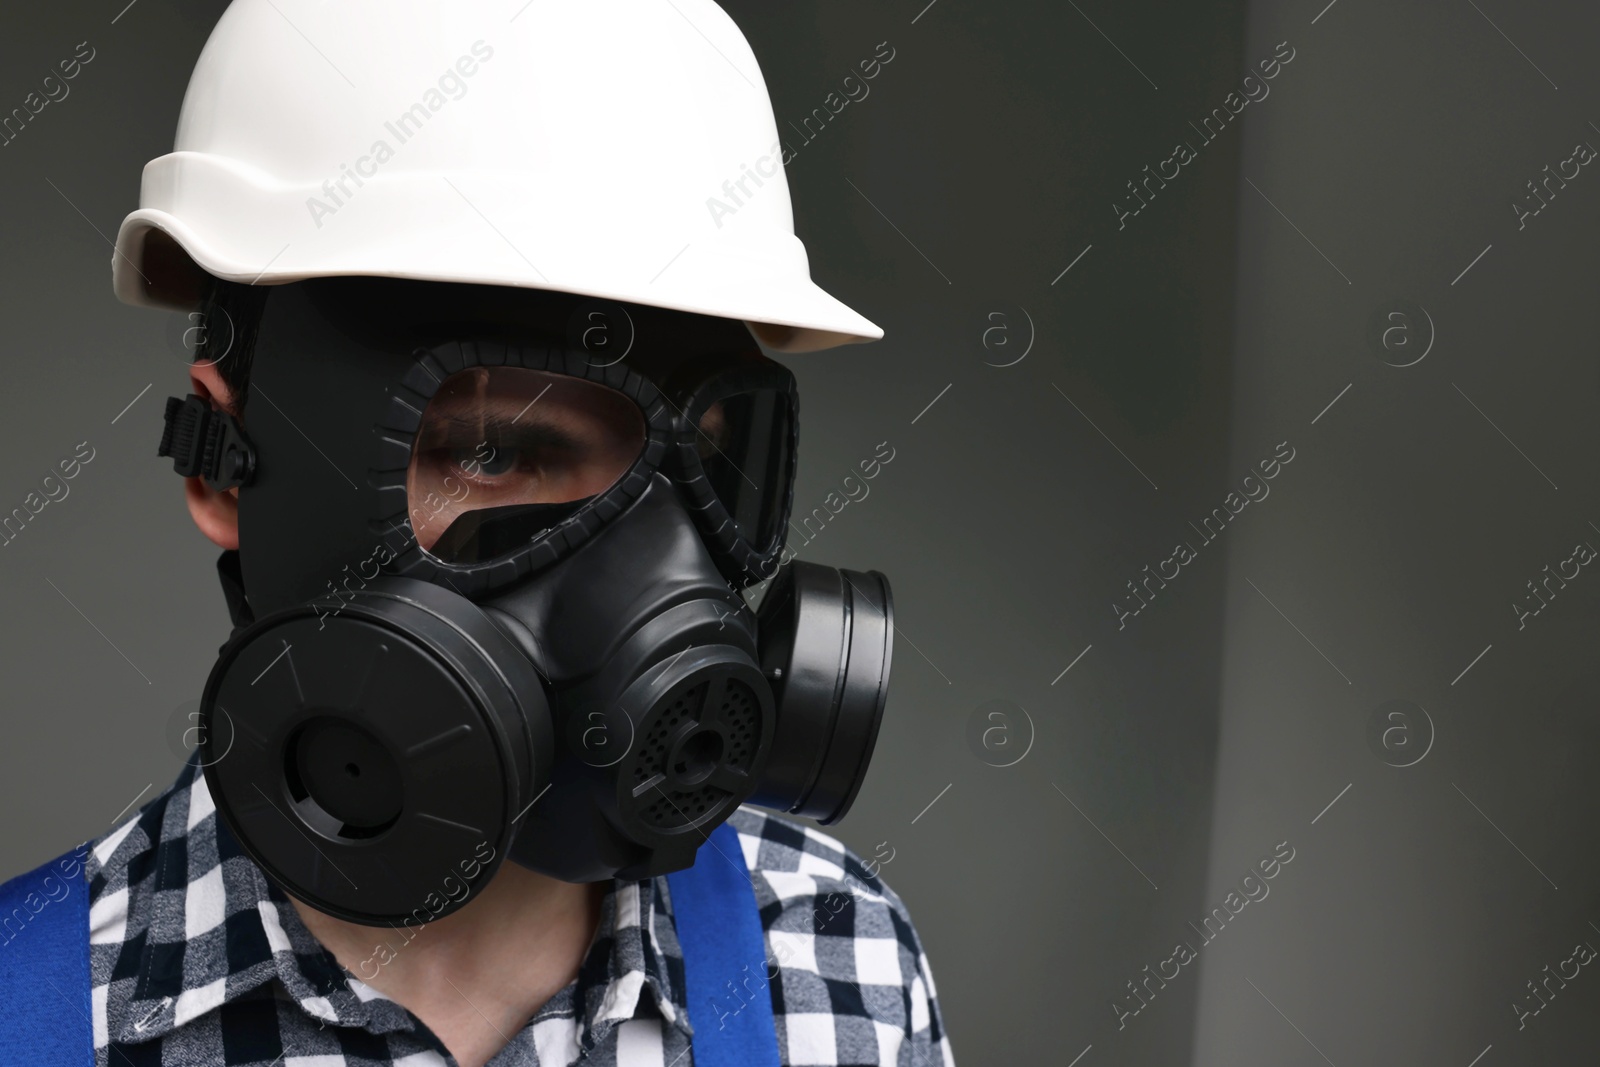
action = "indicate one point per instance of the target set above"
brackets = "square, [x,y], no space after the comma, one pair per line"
[488,529]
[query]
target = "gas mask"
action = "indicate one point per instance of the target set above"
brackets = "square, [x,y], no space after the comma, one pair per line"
[489,601]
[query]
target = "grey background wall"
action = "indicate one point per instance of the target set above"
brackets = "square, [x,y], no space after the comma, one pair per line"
[969,204]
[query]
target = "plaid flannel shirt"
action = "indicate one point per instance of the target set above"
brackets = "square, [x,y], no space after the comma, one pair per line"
[197,958]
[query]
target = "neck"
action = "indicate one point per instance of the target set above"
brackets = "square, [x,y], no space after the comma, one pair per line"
[477,975]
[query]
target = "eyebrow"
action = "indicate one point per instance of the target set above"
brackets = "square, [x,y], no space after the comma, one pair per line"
[492,427]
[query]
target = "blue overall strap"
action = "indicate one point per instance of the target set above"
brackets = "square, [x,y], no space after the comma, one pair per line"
[44,966]
[720,932]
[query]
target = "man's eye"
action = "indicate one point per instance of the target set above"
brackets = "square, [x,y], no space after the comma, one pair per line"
[489,461]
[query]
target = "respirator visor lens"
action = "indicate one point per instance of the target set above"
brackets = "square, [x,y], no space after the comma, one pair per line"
[504,454]
[743,443]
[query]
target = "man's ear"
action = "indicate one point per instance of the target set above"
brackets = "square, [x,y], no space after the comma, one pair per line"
[216,514]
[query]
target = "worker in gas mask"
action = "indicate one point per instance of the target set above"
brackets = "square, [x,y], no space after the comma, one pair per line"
[493,767]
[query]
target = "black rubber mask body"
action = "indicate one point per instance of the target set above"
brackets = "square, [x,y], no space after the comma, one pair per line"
[381,733]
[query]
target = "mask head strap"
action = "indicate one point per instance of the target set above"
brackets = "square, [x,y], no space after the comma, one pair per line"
[232,578]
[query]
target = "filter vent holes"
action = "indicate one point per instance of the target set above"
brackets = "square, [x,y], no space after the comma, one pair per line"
[738,714]
[652,756]
[740,719]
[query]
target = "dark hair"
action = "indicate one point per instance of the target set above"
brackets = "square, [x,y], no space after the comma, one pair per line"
[231,312]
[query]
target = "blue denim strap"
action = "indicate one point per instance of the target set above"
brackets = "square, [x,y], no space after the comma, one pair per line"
[44,966]
[724,957]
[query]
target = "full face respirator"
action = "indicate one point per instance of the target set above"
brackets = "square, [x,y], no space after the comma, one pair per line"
[492,597]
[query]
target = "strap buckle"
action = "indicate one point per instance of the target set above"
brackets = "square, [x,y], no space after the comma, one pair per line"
[206,444]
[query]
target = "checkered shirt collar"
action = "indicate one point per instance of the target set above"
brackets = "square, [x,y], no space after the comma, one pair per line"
[214,927]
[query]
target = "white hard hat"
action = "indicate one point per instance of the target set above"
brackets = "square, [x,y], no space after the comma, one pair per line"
[623,149]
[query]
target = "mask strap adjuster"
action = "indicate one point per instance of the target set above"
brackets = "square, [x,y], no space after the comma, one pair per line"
[206,444]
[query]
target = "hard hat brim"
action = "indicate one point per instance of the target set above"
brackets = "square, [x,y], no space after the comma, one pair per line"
[789,314]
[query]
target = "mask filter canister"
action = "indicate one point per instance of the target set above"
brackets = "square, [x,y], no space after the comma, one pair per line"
[826,636]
